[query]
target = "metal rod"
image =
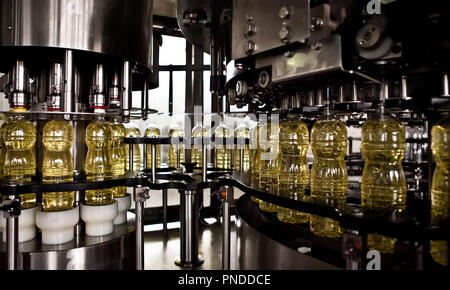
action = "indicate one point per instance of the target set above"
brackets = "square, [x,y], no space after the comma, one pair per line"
[131,156]
[12,236]
[139,231]
[144,151]
[189,219]
[153,163]
[204,162]
[178,156]
[446,91]
[68,76]
[164,201]
[126,100]
[241,158]
[226,235]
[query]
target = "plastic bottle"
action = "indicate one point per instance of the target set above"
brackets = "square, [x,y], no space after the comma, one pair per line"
[197,150]
[57,137]
[255,155]
[118,158]
[131,130]
[98,161]
[223,153]
[242,131]
[153,131]
[329,179]
[19,136]
[175,132]
[294,170]
[383,185]
[269,164]
[440,188]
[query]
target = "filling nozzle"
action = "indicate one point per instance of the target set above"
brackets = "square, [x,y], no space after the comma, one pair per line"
[55,89]
[98,96]
[19,90]
[114,90]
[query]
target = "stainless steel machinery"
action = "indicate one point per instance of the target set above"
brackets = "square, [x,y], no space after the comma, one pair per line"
[77,59]
[300,57]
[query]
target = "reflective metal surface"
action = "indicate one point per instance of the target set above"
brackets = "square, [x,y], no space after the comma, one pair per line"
[260,26]
[90,25]
[256,251]
[115,251]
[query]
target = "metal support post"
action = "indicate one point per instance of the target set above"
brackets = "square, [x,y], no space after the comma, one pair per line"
[189,218]
[131,155]
[204,163]
[241,159]
[164,200]
[153,163]
[140,195]
[144,152]
[11,208]
[228,197]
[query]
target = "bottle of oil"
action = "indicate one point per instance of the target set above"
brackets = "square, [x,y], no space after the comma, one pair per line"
[294,170]
[269,164]
[2,150]
[19,136]
[255,153]
[153,131]
[175,131]
[197,150]
[329,179]
[440,188]
[118,158]
[57,137]
[98,161]
[242,131]
[223,153]
[131,130]
[383,185]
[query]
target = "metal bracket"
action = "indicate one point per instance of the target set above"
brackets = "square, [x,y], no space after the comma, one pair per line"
[141,194]
[11,208]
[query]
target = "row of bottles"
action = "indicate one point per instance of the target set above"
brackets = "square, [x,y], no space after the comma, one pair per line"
[223,153]
[383,185]
[105,158]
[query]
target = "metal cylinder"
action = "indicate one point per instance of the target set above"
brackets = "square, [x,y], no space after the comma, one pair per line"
[404,91]
[126,102]
[117,28]
[204,162]
[130,155]
[144,151]
[139,232]
[153,162]
[355,93]
[318,101]
[98,95]
[310,99]
[446,91]
[114,90]
[164,201]
[226,235]
[341,94]
[189,219]
[69,89]
[55,87]
[12,237]
[19,94]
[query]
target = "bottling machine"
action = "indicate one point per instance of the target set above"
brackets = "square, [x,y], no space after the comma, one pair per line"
[79,62]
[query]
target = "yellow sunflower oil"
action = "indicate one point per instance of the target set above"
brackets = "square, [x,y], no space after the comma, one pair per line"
[57,137]
[383,185]
[118,158]
[223,153]
[175,132]
[329,179]
[440,188]
[153,131]
[242,131]
[197,150]
[19,137]
[98,164]
[132,130]
[294,170]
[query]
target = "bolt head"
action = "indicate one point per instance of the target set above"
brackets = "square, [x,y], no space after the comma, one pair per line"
[249,29]
[249,47]
[285,12]
[285,34]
